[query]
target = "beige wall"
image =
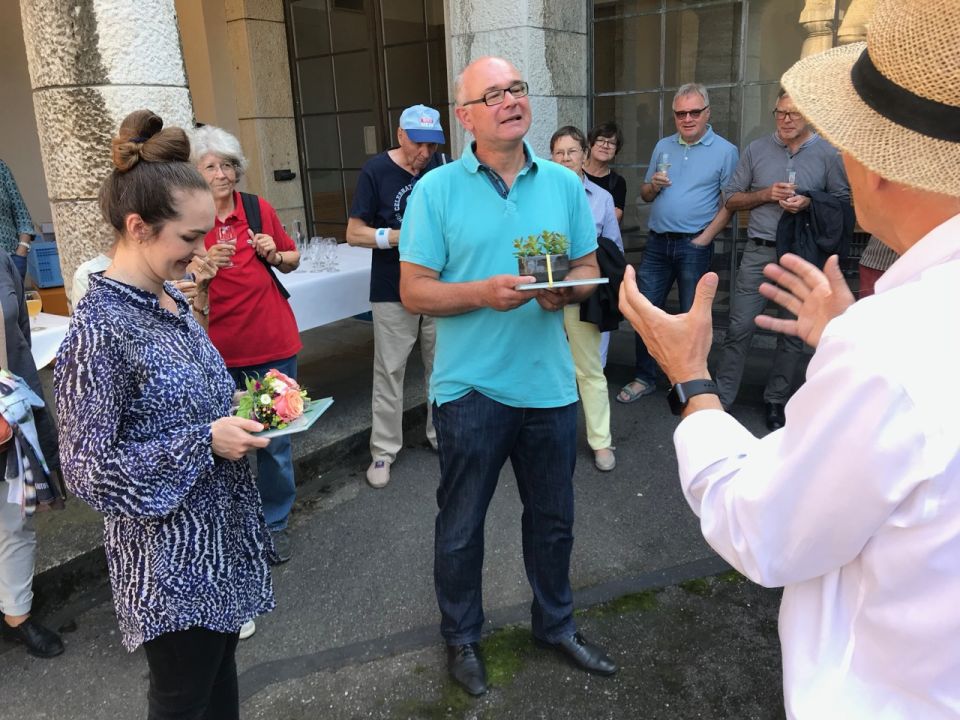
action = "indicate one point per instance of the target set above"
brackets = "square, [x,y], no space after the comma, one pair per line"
[236,60]
[206,55]
[20,148]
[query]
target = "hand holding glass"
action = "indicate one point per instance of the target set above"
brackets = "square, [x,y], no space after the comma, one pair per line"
[226,235]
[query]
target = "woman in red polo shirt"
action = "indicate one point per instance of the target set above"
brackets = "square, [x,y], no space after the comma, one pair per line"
[250,322]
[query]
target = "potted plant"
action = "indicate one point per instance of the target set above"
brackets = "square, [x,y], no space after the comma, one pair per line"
[543,256]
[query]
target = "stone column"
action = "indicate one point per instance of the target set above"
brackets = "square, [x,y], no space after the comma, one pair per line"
[817,20]
[256,35]
[545,39]
[854,25]
[91,63]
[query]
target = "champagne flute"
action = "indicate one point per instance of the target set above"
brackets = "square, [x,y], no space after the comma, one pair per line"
[34,306]
[226,235]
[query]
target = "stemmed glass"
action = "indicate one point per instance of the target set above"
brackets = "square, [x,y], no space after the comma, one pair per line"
[226,235]
[34,306]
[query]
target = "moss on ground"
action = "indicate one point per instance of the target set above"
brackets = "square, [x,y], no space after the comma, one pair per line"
[505,652]
[452,703]
[698,586]
[634,602]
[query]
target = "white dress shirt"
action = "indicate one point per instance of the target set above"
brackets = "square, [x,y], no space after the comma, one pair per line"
[854,506]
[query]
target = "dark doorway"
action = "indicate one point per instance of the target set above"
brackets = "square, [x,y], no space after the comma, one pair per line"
[355,65]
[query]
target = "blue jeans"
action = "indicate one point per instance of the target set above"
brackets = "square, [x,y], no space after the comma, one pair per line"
[475,436]
[667,259]
[275,461]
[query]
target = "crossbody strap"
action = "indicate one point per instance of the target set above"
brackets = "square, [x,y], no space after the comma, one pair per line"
[251,208]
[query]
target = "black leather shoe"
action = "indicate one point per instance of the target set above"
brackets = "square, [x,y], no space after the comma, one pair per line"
[583,653]
[39,641]
[466,667]
[281,546]
[775,417]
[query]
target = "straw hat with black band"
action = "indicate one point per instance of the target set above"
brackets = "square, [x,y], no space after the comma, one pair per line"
[893,102]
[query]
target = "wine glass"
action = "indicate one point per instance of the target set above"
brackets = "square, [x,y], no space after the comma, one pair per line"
[227,235]
[663,163]
[34,306]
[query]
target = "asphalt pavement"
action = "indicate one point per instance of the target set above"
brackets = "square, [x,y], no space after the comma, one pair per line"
[355,634]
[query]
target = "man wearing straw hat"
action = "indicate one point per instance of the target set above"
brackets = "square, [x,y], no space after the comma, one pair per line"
[854,505]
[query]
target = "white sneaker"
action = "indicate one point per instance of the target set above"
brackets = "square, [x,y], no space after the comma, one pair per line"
[247,629]
[378,474]
[604,459]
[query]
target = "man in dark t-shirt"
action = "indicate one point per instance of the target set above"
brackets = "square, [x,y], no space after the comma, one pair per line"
[379,202]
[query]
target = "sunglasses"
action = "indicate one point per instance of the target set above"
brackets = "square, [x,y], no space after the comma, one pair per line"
[681,114]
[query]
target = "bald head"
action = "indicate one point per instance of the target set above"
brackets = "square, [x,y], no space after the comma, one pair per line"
[466,84]
[502,124]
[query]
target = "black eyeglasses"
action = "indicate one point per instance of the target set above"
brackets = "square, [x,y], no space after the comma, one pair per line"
[681,114]
[791,115]
[495,97]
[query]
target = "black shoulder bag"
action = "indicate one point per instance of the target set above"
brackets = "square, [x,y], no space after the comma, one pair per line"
[251,208]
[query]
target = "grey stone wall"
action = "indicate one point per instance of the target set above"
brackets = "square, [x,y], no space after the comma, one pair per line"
[545,39]
[91,63]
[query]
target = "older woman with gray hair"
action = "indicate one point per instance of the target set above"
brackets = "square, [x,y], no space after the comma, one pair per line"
[250,321]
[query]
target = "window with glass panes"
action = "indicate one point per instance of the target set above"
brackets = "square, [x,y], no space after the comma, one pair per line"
[643,50]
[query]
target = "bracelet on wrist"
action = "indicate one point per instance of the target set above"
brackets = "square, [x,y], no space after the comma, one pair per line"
[279,260]
[382,236]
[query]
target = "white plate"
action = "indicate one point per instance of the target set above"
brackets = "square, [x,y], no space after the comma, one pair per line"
[563,283]
[315,409]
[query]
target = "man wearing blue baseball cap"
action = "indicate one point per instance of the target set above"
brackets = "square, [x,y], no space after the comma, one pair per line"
[379,202]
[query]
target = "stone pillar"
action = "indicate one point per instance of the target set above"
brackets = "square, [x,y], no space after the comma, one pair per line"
[256,35]
[817,20]
[854,26]
[545,39]
[91,63]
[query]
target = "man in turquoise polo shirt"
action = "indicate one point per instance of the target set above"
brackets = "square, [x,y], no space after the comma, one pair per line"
[685,179]
[503,381]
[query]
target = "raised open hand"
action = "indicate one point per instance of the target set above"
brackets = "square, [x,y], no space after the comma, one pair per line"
[816,297]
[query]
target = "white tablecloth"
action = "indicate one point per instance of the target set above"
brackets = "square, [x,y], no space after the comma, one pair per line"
[325,297]
[316,299]
[46,336]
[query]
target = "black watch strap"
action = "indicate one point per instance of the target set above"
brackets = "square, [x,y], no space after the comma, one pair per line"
[680,394]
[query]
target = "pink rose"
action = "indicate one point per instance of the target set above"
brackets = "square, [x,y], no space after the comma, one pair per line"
[288,406]
[292,384]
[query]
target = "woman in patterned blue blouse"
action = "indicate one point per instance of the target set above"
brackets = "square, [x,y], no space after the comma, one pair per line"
[147,439]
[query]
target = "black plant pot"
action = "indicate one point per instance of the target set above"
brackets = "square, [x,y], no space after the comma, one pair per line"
[536,265]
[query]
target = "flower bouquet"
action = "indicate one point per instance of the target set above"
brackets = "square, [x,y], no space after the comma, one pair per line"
[274,400]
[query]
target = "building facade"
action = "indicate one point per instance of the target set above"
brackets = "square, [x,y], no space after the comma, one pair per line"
[314,87]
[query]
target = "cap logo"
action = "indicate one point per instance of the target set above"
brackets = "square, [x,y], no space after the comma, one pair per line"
[426,121]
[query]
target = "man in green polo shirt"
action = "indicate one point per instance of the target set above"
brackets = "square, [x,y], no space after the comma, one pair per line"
[503,381]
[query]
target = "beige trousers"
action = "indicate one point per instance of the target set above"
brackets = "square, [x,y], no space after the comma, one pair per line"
[18,548]
[584,341]
[394,332]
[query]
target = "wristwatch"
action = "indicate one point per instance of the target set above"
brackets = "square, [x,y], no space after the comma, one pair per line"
[680,394]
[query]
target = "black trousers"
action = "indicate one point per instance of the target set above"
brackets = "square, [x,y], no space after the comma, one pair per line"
[193,676]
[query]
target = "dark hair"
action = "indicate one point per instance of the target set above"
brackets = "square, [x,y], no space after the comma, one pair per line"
[149,163]
[569,131]
[607,130]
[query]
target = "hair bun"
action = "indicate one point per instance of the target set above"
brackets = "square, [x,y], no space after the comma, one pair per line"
[142,137]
